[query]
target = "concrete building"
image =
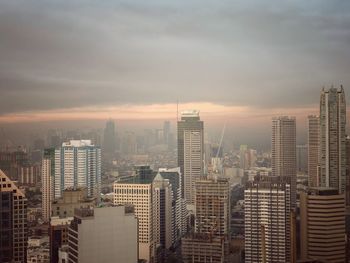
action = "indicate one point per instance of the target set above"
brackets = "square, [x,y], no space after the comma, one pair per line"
[47,182]
[137,190]
[283,155]
[179,211]
[313,149]
[199,248]
[190,147]
[105,234]
[302,155]
[58,233]
[29,175]
[267,221]
[109,139]
[322,225]
[13,222]
[162,212]
[71,199]
[212,203]
[332,159]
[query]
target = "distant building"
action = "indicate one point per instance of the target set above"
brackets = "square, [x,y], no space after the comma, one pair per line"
[13,218]
[322,225]
[332,159]
[267,221]
[283,159]
[11,161]
[47,182]
[109,139]
[29,175]
[190,147]
[105,234]
[58,234]
[313,149]
[348,171]
[302,155]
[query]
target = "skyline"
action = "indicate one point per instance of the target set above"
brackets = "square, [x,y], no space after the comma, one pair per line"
[116,59]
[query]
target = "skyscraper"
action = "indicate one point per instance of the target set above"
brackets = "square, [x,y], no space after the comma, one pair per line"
[267,221]
[213,207]
[302,154]
[322,225]
[332,160]
[347,171]
[78,163]
[47,182]
[283,160]
[313,149]
[109,139]
[190,149]
[13,222]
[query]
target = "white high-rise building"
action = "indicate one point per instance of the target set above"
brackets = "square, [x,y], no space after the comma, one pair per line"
[78,163]
[190,151]
[332,154]
[283,153]
[267,222]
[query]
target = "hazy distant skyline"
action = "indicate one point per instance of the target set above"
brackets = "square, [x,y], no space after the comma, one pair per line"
[241,60]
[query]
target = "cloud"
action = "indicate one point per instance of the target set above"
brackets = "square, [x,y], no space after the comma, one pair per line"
[272,54]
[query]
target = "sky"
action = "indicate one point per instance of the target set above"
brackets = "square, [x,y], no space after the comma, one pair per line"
[239,61]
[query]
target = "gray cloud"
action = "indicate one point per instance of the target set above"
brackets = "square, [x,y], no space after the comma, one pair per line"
[62,54]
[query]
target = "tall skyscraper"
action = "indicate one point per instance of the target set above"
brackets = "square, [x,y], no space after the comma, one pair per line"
[104,234]
[47,182]
[137,190]
[213,211]
[313,149]
[332,138]
[283,153]
[267,221]
[322,225]
[166,133]
[78,164]
[190,147]
[302,154]
[162,212]
[109,139]
[13,222]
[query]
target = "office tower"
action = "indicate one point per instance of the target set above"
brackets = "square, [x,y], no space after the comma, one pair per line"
[109,139]
[162,213]
[267,221]
[71,199]
[322,225]
[105,234]
[302,154]
[190,147]
[137,190]
[283,155]
[58,233]
[179,212]
[332,139]
[78,163]
[47,182]
[13,222]
[213,211]
[313,149]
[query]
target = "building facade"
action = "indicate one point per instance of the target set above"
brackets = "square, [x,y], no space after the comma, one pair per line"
[283,155]
[322,225]
[190,148]
[104,234]
[313,149]
[332,157]
[267,221]
[13,222]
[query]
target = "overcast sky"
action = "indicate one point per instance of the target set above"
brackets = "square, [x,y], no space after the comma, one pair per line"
[113,56]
